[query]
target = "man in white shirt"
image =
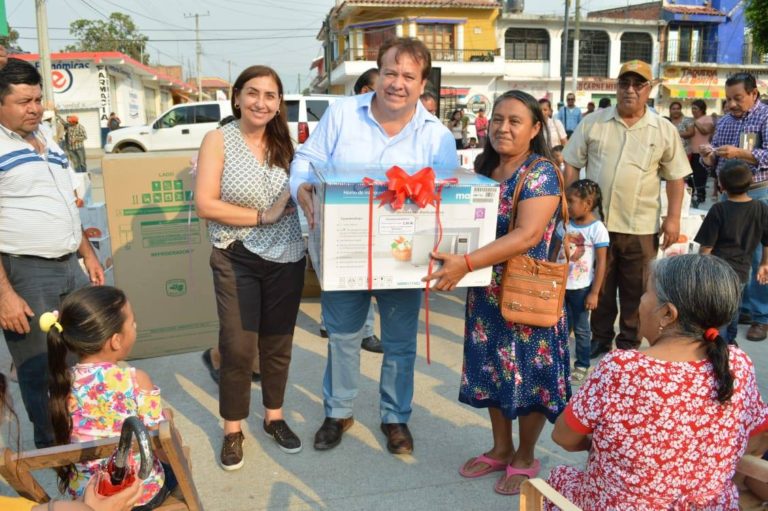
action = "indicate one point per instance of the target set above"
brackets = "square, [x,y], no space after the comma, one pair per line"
[40,236]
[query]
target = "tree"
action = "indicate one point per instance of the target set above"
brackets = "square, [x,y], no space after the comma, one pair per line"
[11,42]
[119,33]
[757,18]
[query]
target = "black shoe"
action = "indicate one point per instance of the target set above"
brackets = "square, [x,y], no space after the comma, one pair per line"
[372,344]
[285,438]
[231,456]
[745,319]
[323,333]
[209,364]
[399,439]
[599,349]
[329,434]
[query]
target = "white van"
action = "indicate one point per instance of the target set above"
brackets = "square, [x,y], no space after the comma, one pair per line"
[183,126]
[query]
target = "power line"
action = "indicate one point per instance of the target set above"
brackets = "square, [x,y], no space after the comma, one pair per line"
[215,39]
[137,13]
[201,30]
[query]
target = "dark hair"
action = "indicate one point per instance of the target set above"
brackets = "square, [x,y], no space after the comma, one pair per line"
[366,79]
[604,103]
[280,147]
[489,159]
[89,318]
[414,48]
[428,95]
[748,79]
[454,113]
[545,100]
[735,177]
[558,149]
[588,189]
[675,103]
[706,292]
[17,72]
[700,104]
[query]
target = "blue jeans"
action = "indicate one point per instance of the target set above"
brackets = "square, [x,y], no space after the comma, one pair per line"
[755,297]
[42,284]
[578,321]
[731,330]
[345,313]
[370,320]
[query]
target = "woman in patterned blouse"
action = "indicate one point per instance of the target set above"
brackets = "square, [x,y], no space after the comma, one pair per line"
[257,257]
[665,427]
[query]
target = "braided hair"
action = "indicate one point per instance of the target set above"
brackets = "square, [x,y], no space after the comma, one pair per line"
[588,189]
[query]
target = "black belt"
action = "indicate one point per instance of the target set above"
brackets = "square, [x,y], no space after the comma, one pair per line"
[61,259]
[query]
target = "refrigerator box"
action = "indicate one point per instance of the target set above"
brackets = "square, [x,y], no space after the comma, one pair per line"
[93,217]
[160,250]
[401,240]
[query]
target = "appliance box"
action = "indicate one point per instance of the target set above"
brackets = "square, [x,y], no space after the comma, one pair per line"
[401,240]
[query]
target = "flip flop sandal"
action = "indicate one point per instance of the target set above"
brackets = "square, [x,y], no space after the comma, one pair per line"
[530,473]
[493,466]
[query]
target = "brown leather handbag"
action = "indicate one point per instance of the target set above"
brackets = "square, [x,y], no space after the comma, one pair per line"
[532,291]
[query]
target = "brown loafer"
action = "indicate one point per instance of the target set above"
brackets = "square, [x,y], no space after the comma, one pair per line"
[399,439]
[757,332]
[329,434]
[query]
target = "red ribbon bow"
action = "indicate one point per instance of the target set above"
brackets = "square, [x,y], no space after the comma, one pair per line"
[419,187]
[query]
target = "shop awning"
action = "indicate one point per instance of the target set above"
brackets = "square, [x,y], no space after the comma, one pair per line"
[696,91]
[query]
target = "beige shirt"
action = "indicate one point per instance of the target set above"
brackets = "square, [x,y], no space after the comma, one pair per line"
[628,163]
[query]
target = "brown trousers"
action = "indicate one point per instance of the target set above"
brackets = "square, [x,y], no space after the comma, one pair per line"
[627,268]
[258,302]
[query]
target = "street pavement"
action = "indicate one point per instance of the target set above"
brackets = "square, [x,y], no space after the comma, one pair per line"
[359,474]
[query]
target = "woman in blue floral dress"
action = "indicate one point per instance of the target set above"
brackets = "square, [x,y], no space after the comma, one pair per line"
[517,371]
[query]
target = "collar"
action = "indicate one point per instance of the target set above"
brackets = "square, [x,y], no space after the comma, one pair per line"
[757,106]
[648,119]
[419,118]
[38,134]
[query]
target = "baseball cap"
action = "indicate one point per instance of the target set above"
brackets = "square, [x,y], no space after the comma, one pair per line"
[638,67]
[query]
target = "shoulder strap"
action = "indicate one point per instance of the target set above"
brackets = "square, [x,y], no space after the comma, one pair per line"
[563,202]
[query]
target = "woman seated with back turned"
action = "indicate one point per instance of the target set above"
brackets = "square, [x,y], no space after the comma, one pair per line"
[666,426]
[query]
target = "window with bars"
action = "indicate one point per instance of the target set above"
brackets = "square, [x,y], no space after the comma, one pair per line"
[636,45]
[594,53]
[439,38]
[526,44]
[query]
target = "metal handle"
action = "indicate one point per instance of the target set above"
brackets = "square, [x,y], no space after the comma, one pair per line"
[132,426]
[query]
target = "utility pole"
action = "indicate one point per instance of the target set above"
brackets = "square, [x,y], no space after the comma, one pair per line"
[576,31]
[564,56]
[45,53]
[229,78]
[199,51]
[298,83]
[328,54]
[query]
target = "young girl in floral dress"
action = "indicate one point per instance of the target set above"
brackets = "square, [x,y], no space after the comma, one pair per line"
[92,399]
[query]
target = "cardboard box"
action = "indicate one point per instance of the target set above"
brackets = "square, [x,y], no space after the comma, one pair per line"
[401,240]
[161,251]
[94,220]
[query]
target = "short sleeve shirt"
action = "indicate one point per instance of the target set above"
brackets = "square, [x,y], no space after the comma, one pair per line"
[628,162]
[583,240]
[660,438]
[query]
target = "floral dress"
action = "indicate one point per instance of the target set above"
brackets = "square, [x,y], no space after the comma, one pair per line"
[517,368]
[103,395]
[660,438]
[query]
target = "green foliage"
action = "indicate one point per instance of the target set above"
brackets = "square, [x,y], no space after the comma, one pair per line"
[119,33]
[757,18]
[11,42]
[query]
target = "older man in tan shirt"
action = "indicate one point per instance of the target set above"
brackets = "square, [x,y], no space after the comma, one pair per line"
[627,150]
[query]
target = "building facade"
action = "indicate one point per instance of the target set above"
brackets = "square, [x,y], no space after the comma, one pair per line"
[91,85]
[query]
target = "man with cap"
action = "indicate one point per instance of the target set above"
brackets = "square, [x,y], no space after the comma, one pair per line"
[75,139]
[570,114]
[627,149]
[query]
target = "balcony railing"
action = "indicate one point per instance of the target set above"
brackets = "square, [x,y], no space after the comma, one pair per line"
[689,51]
[438,55]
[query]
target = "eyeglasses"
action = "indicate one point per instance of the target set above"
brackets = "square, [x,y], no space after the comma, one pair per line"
[638,86]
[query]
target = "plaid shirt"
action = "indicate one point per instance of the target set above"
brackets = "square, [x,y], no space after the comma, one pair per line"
[730,128]
[76,136]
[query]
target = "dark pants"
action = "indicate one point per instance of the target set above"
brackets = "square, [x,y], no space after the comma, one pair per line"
[578,322]
[42,284]
[78,159]
[257,302]
[626,272]
[700,176]
[459,143]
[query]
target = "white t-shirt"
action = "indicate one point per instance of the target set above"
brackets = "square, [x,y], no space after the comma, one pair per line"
[583,239]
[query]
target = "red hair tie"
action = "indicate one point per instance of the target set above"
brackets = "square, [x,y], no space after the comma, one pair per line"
[710,334]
